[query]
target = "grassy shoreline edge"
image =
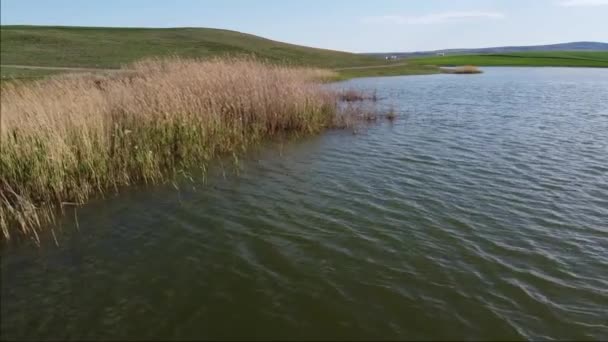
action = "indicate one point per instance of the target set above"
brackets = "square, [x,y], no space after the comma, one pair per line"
[416,67]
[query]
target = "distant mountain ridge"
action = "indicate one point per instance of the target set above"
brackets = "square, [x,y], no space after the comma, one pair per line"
[573,46]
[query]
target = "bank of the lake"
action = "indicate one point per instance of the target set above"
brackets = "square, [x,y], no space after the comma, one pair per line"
[436,64]
[478,213]
[379,68]
[584,59]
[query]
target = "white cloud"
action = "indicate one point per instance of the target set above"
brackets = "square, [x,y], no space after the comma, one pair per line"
[583,3]
[433,18]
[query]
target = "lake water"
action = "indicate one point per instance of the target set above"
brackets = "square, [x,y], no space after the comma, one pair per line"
[481,212]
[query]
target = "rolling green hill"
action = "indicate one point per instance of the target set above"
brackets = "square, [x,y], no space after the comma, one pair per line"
[97,47]
[549,58]
[109,48]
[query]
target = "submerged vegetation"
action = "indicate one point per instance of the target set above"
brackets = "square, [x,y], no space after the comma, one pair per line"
[351,95]
[70,137]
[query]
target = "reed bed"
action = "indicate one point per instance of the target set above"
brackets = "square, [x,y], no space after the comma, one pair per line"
[68,138]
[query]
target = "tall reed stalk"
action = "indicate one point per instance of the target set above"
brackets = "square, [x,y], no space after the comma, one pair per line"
[68,138]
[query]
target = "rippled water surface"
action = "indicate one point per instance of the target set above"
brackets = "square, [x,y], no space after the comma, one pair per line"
[480,213]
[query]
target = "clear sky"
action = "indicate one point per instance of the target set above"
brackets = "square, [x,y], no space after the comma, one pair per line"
[350,25]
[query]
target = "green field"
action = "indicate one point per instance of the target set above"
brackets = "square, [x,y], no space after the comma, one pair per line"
[553,58]
[428,65]
[111,48]
[398,69]
[11,72]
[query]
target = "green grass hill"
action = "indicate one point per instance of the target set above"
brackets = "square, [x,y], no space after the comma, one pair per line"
[102,47]
[38,51]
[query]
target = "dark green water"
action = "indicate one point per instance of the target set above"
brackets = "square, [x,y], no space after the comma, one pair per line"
[480,213]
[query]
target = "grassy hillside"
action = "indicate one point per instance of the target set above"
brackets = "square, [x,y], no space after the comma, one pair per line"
[552,58]
[112,47]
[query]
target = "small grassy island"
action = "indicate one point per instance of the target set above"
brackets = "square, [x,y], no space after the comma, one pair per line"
[467,69]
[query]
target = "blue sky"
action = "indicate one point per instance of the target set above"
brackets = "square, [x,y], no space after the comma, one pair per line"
[350,25]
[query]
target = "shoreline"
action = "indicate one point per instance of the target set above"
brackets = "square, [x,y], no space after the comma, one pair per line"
[346,73]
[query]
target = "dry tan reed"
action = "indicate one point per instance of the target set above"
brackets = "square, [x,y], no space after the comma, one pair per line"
[68,138]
